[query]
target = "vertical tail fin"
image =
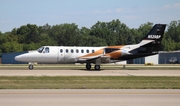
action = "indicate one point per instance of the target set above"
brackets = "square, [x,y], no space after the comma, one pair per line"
[152,41]
[150,44]
[156,33]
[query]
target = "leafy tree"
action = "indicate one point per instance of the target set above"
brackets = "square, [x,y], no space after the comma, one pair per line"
[143,30]
[11,47]
[1,33]
[45,39]
[113,32]
[168,44]
[45,28]
[65,34]
[174,30]
[30,36]
[133,34]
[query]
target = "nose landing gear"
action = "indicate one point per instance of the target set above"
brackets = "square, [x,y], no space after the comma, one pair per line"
[31,67]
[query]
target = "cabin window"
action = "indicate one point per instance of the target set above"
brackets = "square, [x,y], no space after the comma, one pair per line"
[82,51]
[87,51]
[47,50]
[77,51]
[61,50]
[72,51]
[93,51]
[67,50]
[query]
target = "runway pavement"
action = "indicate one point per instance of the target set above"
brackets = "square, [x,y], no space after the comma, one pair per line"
[90,97]
[89,73]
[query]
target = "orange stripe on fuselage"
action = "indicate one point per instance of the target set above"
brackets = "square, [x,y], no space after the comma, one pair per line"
[118,47]
[114,55]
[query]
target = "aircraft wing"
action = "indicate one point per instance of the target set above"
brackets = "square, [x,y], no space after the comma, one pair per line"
[87,58]
[103,58]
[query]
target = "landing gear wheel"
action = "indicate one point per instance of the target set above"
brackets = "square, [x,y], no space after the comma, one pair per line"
[31,66]
[97,67]
[88,66]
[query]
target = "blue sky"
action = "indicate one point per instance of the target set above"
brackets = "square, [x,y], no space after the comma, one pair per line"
[85,13]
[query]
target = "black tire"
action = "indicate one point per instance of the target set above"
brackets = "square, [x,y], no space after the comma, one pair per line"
[88,66]
[31,67]
[97,67]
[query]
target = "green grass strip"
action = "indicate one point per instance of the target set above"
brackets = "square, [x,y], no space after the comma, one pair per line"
[89,82]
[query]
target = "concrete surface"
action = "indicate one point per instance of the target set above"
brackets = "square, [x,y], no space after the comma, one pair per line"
[89,73]
[90,97]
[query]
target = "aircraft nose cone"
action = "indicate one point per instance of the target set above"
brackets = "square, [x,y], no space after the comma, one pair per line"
[26,57]
[18,58]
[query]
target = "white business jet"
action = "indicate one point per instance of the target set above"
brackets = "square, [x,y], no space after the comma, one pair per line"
[149,45]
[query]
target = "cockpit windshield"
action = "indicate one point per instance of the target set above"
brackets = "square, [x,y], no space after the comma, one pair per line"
[40,49]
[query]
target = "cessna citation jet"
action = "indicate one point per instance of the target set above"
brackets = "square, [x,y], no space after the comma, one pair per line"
[149,45]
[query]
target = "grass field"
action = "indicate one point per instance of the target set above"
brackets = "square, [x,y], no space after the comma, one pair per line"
[89,82]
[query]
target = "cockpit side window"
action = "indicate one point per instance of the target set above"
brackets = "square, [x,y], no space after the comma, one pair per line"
[40,49]
[47,50]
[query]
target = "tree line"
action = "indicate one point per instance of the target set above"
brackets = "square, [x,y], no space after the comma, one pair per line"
[30,36]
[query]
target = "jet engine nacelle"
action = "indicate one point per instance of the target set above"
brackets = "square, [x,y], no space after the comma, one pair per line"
[105,60]
[125,52]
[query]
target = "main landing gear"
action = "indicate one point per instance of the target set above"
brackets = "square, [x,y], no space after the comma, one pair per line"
[88,66]
[96,67]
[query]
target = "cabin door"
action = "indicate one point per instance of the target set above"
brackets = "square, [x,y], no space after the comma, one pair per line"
[61,53]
